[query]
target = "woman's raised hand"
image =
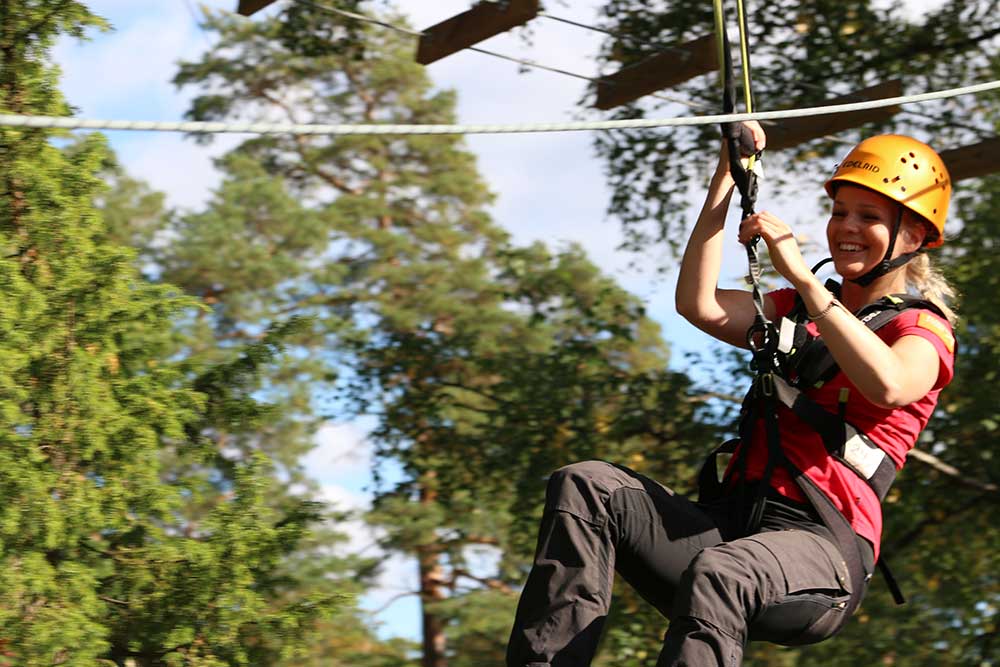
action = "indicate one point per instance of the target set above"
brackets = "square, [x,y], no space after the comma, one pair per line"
[782,247]
[758,138]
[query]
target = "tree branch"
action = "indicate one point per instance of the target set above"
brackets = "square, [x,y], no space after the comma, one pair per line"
[393,600]
[366,97]
[301,146]
[122,603]
[30,30]
[952,472]
[916,531]
[704,396]
[489,582]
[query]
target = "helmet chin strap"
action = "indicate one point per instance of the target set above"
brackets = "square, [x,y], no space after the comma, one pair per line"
[887,264]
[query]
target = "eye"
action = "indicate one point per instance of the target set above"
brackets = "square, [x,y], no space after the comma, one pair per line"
[837,213]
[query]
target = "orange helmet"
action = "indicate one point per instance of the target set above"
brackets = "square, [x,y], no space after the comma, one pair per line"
[904,170]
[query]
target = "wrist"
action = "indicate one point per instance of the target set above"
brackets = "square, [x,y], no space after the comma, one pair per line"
[814,294]
[826,311]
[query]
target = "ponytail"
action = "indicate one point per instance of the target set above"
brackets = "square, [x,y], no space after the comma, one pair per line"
[927,280]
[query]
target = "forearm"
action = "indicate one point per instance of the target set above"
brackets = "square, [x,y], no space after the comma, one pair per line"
[871,365]
[701,264]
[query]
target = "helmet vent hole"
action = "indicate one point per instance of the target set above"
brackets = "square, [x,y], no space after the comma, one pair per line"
[885,180]
[916,166]
[903,188]
[912,154]
[935,211]
[934,169]
[903,160]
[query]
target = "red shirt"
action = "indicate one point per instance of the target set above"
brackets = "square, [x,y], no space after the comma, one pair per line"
[895,430]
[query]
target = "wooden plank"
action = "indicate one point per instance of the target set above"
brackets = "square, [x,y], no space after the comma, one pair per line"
[473,26]
[248,7]
[661,71]
[972,161]
[790,132]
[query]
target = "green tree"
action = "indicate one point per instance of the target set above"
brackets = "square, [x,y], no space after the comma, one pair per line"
[486,365]
[99,563]
[802,52]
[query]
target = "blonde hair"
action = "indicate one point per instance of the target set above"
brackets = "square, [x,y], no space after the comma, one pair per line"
[927,280]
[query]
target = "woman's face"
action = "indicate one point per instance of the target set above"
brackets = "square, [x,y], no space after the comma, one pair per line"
[859,229]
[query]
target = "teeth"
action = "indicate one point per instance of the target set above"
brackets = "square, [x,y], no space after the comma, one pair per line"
[849,247]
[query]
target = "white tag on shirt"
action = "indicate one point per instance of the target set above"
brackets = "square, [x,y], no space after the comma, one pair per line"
[786,335]
[864,458]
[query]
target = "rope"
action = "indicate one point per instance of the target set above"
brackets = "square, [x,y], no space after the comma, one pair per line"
[203,127]
[520,61]
[360,17]
[745,61]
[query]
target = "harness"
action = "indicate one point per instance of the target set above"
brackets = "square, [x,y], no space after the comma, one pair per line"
[802,361]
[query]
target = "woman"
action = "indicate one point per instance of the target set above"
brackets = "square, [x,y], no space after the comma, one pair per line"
[782,550]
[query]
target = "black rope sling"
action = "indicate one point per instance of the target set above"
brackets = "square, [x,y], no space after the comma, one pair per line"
[762,338]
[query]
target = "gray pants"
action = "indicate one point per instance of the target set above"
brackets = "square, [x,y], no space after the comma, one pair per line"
[787,584]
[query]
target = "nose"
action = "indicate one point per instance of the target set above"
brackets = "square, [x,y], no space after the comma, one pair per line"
[847,223]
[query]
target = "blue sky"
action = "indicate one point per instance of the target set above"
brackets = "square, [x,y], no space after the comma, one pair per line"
[550,186]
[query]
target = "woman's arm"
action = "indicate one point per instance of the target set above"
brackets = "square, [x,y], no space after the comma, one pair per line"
[890,376]
[723,314]
[887,375]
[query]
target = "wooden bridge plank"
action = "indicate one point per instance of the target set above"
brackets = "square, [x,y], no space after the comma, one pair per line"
[790,132]
[473,26]
[248,7]
[974,160]
[661,71]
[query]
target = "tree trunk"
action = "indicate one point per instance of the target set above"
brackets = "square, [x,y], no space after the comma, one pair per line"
[431,590]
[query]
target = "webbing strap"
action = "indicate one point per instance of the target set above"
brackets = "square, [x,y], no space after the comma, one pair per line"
[761,337]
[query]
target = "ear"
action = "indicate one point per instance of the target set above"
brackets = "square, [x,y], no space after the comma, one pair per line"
[912,233]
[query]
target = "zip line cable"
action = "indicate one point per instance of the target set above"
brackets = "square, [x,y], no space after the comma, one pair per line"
[807,84]
[529,63]
[206,127]
[658,47]
[360,17]
[592,28]
[501,56]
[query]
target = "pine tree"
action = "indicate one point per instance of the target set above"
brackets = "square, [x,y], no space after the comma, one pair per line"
[99,564]
[487,365]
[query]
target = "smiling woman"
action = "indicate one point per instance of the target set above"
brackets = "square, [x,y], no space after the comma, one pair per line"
[783,547]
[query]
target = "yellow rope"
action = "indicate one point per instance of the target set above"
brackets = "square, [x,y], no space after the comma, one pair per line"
[745,57]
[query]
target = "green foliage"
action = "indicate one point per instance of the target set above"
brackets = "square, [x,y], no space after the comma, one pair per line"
[802,53]
[102,446]
[487,365]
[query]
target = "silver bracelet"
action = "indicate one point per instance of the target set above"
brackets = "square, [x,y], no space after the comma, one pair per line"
[823,313]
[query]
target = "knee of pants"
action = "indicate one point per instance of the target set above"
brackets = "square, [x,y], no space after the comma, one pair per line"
[581,489]
[723,587]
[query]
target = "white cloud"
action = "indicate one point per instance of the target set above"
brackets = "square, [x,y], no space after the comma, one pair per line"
[341,452]
[394,610]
